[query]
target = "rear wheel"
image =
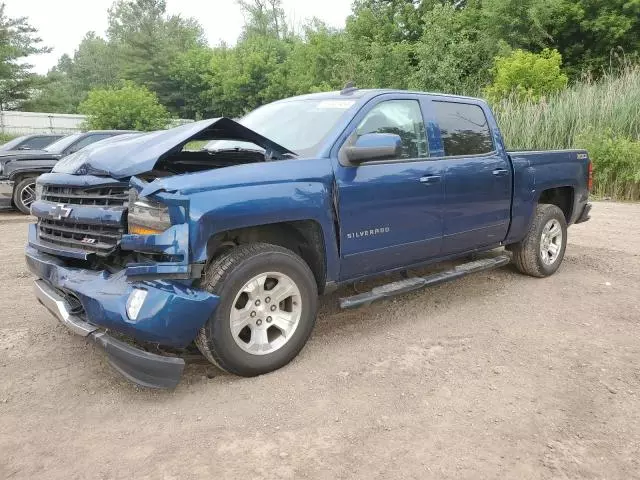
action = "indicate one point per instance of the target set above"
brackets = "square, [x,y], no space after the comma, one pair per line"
[268,301]
[24,194]
[541,252]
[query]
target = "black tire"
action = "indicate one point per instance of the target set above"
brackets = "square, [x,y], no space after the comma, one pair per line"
[20,196]
[225,277]
[527,255]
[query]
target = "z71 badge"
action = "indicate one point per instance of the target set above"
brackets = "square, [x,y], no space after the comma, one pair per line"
[372,232]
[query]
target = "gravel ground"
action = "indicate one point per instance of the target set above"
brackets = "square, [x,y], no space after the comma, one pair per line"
[494,376]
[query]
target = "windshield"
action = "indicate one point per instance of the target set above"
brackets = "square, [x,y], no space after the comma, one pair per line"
[12,143]
[60,145]
[299,125]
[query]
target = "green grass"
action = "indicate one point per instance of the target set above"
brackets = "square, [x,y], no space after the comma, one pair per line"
[4,138]
[603,117]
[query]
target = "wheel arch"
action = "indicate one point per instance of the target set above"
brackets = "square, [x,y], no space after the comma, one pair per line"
[562,197]
[303,237]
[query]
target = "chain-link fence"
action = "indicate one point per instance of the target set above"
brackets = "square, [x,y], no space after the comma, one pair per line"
[21,123]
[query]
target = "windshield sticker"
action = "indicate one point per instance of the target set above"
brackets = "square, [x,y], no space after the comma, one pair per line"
[341,104]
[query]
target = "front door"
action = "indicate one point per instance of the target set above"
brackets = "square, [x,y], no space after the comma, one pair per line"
[390,211]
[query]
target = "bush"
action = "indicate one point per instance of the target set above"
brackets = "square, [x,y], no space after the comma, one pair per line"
[527,76]
[616,161]
[128,107]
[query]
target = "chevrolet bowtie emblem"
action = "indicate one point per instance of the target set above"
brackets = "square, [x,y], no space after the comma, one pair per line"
[60,211]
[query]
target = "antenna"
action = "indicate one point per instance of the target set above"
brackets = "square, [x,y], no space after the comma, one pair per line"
[348,88]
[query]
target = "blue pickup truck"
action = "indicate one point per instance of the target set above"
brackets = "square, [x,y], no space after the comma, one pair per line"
[147,247]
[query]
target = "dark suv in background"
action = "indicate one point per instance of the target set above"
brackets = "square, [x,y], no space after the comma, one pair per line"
[31,142]
[20,168]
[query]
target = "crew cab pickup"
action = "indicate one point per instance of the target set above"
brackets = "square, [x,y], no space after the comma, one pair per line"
[146,247]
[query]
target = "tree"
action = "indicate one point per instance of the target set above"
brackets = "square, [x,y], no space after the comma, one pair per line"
[128,107]
[18,40]
[148,42]
[264,18]
[591,33]
[453,54]
[94,64]
[527,76]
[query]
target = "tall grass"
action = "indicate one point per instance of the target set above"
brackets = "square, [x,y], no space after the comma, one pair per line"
[602,116]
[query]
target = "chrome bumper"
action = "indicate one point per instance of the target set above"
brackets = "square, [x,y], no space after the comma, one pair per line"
[48,297]
[139,366]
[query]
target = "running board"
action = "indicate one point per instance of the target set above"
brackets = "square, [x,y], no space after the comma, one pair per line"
[415,283]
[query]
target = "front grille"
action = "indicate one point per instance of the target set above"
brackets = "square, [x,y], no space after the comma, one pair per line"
[82,229]
[115,195]
[90,238]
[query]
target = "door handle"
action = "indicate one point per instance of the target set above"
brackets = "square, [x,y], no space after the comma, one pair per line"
[500,172]
[429,179]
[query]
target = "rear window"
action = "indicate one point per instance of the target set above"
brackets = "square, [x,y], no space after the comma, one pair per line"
[38,143]
[463,128]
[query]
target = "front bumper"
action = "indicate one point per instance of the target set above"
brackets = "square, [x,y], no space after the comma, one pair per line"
[171,315]
[6,193]
[144,368]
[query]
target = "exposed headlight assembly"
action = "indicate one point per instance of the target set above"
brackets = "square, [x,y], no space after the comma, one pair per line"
[147,217]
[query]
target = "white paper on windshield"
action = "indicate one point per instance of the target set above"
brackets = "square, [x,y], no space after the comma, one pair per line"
[341,104]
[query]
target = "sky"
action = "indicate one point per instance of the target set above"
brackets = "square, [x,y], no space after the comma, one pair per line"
[62,23]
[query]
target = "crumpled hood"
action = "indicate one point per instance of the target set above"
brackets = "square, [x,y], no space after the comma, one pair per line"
[132,156]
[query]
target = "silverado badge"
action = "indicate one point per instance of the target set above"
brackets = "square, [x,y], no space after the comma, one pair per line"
[60,211]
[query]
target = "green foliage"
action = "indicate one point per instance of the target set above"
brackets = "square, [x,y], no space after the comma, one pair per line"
[527,76]
[454,56]
[17,41]
[128,107]
[147,42]
[593,34]
[583,116]
[4,138]
[616,161]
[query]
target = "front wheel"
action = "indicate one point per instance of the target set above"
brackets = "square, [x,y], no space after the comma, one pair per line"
[541,252]
[267,310]
[24,194]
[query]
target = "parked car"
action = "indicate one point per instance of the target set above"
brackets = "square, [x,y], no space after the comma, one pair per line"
[143,246]
[31,142]
[19,169]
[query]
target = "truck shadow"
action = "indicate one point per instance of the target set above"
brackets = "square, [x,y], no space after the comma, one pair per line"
[335,325]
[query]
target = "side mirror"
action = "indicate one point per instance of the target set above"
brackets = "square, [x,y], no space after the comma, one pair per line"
[374,146]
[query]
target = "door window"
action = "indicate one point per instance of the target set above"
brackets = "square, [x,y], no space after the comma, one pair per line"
[403,118]
[463,128]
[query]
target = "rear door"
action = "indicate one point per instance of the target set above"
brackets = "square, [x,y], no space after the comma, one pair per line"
[477,205]
[390,211]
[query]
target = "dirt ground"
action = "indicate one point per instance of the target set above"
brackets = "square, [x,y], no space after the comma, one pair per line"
[494,376]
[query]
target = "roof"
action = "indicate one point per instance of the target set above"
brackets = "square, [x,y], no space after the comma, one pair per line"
[366,93]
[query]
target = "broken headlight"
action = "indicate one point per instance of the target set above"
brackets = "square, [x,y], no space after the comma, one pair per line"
[147,217]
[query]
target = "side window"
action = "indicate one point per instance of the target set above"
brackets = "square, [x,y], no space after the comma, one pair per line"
[402,117]
[463,128]
[88,140]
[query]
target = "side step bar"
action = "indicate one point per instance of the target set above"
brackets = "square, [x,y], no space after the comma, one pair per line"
[404,286]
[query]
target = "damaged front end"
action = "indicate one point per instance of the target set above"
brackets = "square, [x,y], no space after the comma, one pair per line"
[111,246]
